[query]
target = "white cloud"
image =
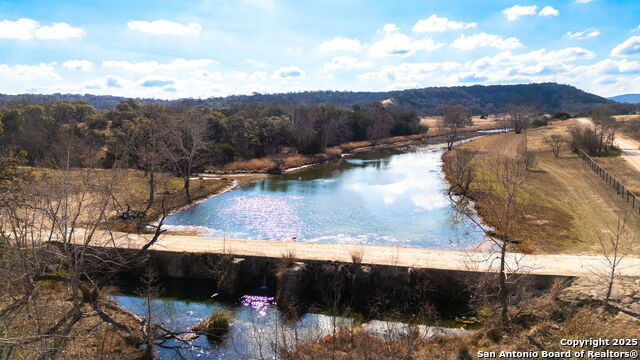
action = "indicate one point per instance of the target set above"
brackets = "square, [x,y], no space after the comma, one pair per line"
[289,72]
[27,29]
[395,43]
[346,63]
[255,63]
[583,1]
[440,24]
[78,65]
[165,27]
[340,44]
[389,28]
[581,35]
[408,73]
[515,12]
[259,76]
[486,40]
[631,46]
[154,66]
[534,66]
[42,71]
[548,11]
[23,29]
[59,31]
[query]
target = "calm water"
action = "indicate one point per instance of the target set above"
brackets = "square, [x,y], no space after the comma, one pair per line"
[383,198]
[256,327]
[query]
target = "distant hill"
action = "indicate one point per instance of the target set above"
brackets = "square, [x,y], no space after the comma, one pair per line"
[627,98]
[97,101]
[547,97]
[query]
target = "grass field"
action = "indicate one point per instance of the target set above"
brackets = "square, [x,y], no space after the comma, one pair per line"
[478,124]
[568,206]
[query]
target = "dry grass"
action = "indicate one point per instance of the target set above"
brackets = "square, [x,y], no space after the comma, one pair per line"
[286,159]
[296,160]
[260,164]
[288,258]
[478,124]
[622,171]
[132,189]
[568,205]
[357,255]
[112,335]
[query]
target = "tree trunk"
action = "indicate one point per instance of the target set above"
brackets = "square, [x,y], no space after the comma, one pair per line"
[152,186]
[187,178]
[609,288]
[503,293]
[186,187]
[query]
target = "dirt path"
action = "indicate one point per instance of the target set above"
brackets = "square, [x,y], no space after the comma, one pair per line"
[630,151]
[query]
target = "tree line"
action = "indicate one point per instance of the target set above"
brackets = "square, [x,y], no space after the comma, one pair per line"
[183,139]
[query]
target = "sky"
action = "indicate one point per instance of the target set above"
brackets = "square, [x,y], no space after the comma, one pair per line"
[201,48]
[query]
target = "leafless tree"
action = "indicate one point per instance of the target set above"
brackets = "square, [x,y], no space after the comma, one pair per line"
[149,289]
[460,170]
[58,220]
[615,243]
[454,119]
[520,118]
[593,139]
[555,142]
[501,193]
[151,134]
[185,143]
[382,124]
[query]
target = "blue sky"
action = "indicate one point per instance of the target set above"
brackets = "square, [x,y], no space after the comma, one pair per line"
[203,48]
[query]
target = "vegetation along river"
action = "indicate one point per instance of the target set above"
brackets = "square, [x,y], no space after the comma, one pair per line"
[394,197]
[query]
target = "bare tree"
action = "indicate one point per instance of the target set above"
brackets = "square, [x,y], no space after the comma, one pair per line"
[454,118]
[185,143]
[520,118]
[501,194]
[151,135]
[555,142]
[460,171]
[615,244]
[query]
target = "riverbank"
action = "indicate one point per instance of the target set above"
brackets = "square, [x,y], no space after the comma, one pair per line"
[567,206]
[287,160]
[538,323]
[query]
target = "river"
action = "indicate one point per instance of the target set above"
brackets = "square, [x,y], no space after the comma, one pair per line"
[391,197]
[394,197]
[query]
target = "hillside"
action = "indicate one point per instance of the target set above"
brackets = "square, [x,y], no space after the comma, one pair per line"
[548,97]
[627,98]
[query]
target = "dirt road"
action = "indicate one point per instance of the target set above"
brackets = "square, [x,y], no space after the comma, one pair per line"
[630,149]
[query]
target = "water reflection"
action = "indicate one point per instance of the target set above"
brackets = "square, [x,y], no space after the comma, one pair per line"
[257,328]
[382,198]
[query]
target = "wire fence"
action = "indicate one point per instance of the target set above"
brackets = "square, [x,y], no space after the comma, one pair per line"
[631,198]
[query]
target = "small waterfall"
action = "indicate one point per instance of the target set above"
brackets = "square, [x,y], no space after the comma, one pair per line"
[263,284]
